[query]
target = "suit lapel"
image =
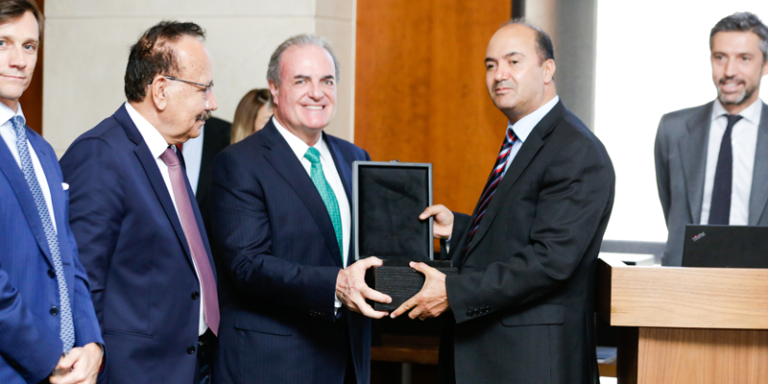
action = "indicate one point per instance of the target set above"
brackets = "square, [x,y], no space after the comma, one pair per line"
[15,176]
[345,173]
[57,193]
[759,193]
[524,156]
[153,174]
[693,150]
[283,159]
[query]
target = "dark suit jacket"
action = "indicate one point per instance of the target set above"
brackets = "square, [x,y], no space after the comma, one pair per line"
[523,301]
[280,261]
[144,285]
[681,163]
[30,341]
[216,138]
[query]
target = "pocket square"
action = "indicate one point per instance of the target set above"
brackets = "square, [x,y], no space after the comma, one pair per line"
[65,186]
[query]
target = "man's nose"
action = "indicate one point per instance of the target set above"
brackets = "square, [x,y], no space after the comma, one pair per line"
[210,101]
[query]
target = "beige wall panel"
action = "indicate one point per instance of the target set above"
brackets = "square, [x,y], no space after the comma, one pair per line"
[178,8]
[341,35]
[337,9]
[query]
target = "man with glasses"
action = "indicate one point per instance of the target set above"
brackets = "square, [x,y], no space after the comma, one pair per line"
[140,234]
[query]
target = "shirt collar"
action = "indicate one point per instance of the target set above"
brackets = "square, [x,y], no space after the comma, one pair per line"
[155,141]
[525,126]
[298,146]
[6,114]
[751,113]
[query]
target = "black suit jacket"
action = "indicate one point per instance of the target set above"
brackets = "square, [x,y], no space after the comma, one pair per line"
[216,138]
[280,260]
[523,301]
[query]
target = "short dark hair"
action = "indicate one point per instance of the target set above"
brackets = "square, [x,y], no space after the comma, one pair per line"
[544,46]
[13,9]
[743,22]
[153,55]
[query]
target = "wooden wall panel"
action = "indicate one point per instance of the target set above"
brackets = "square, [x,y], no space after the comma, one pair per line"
[32,99]
[420,91]
[702,356]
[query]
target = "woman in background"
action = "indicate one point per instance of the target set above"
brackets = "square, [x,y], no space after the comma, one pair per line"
[252,114]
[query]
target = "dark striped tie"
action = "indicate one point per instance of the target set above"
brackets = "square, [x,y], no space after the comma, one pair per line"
[490,186]
[720,207]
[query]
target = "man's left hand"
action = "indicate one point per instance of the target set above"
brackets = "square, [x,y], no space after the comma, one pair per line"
[431,301]
[85,363]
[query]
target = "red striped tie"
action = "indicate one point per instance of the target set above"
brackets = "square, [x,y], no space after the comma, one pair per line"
[490,187]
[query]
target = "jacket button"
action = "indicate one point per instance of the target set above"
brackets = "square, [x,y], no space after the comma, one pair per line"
[195,295]
[54,311]
[51,274]
[191,350]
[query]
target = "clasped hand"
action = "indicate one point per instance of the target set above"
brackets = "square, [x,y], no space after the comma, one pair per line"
[352,290]
[84,364]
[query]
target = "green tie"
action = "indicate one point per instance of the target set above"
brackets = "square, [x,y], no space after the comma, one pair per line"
[329,198]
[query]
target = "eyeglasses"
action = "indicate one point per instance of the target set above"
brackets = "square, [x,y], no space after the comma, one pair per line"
[207,88]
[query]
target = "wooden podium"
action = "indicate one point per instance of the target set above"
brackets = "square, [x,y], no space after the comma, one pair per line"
[686,325]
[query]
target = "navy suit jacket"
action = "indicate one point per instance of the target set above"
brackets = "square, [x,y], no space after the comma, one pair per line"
[144,286]
[281,259]
[30,341]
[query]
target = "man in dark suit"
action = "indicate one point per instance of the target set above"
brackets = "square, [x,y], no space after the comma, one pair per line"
[140,232]
[45,306]
[711,162]
[282,218]
[522,305]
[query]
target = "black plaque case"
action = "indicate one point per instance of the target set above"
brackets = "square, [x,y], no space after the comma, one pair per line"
[387,199]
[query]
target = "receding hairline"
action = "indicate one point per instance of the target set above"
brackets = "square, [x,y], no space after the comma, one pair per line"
[295,47]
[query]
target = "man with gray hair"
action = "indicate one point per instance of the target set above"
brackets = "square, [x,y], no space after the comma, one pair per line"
[708,168]
[292,299]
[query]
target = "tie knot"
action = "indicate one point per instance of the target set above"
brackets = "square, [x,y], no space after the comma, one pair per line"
[169,157]
[18,124]
[313,155]
[733,119]
[510,138]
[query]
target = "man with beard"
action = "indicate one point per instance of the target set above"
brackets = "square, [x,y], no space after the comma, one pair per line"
[138,227]
[708,168]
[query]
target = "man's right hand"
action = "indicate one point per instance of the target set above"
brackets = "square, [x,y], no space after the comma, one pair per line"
[352,290]
[443,223]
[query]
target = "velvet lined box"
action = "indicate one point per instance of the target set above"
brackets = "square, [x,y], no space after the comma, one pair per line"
[387,200]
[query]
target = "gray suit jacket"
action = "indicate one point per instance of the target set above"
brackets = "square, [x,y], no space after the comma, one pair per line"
[681,156]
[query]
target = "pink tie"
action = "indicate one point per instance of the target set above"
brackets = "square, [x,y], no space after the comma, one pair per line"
[191,231]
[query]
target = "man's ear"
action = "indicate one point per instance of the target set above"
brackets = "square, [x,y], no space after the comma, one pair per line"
[158,90]
[549,71]
[274,90]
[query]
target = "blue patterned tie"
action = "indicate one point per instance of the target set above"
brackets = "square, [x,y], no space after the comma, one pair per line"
[67,327]
[490,187]
[329,198]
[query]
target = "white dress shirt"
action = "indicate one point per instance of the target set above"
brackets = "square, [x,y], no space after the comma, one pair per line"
[9,136]
[744,144]
[299,148]
[157,145]
[525,126]
[193,158]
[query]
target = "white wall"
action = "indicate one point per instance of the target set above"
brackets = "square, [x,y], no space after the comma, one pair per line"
[652,58]
[87,42]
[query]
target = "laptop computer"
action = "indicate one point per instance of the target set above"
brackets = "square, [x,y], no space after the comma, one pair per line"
[725,246]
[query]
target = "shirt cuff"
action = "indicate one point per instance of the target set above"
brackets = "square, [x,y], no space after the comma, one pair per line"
[336,304]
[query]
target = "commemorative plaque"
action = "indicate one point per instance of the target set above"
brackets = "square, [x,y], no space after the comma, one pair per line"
[387,199]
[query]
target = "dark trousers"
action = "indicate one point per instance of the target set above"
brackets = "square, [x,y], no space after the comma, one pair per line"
[207,345]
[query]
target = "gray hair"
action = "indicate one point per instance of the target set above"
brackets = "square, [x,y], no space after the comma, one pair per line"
[743,22]
[273,70]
